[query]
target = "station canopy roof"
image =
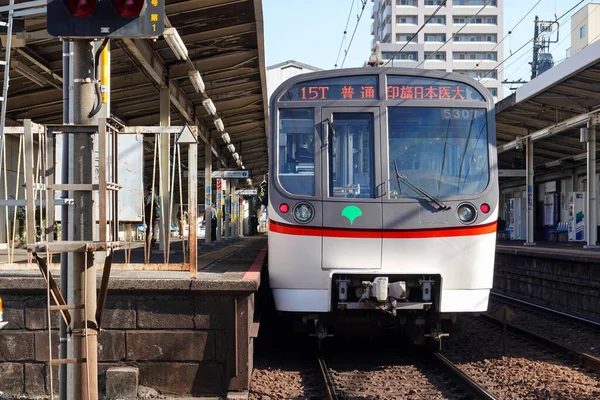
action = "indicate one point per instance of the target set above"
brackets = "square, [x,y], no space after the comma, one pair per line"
[551,108]
[225,43]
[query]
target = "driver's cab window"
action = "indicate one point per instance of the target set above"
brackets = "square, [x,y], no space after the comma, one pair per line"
[297,151]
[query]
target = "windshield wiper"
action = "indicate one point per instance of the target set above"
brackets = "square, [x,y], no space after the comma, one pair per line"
[441,205]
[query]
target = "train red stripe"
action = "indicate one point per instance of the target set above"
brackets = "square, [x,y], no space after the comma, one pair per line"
[385,234]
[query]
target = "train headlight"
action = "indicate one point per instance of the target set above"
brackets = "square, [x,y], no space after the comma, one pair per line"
[466,213]
[303,213]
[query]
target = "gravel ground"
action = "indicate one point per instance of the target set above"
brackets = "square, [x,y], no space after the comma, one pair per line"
[525,371]
[289,378]
[577,335]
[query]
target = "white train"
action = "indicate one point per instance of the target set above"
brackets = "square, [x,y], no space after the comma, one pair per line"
[383,198]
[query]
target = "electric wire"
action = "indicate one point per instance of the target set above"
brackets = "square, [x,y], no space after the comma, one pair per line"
[529,41]
[344,35]
[558,45]
[419,30]
[364,3]
[511,31]
[454,34]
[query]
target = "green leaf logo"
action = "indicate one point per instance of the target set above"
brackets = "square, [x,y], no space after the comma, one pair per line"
[351,212]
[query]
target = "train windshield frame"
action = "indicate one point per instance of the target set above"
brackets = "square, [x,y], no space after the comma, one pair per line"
[437,131]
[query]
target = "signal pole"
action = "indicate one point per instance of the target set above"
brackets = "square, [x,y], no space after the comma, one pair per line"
[81,155]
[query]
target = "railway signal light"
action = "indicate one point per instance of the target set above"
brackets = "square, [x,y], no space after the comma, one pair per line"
[105,18]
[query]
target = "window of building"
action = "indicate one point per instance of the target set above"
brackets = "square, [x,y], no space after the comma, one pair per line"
[492,20]
[582,31]
[438,19]
[434,2]
[476,38]
[412,3]
[406,19]
[479,74]
[405,56]
[439,56]
[493,91]
[474,55]
[430,37]
[403,37]
[493,3]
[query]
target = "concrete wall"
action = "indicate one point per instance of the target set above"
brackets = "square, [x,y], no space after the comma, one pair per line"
[182,343]
[571,284]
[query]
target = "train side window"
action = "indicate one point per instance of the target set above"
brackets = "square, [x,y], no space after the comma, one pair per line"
[297,151]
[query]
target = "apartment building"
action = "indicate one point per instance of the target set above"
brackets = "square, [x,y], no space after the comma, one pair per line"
[585,24]
[472,34]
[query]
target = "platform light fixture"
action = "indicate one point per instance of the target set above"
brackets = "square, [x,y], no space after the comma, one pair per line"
[225,137]
[231,147]
[197,81]
[175,43]
[219,124]
[243,167]
[236,156]
[209,106]
[580,157]
[239,163]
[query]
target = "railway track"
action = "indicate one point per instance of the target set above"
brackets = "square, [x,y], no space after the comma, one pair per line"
[586,359]
[544,309]
[433,378]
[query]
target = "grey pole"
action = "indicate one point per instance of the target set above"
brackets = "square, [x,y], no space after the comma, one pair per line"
[207,192]
[165,120]
[65,372]
[81,156]
[227,208]
[530,200]
[592,188]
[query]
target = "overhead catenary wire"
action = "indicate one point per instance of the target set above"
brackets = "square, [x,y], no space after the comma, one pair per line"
[453,35]
[511,31]
[558,45]
[364,3]
[531,40]
[344,35]
[419,30]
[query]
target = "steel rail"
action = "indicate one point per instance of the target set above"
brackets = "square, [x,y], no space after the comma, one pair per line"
[588,360]
[587,321]
[327,381]
[479,390]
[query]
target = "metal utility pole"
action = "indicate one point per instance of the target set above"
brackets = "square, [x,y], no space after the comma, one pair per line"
[81,155]
[542,37]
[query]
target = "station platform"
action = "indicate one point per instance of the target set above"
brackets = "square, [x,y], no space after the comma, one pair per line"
[561,275]
[185,336]
[546,249]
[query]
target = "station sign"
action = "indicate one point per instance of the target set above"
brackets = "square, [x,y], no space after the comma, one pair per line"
[239,174]
[247,192]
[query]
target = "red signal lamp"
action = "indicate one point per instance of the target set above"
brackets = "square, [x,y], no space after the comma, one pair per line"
[129,8]
[485,208]
[81,8]
[284,208]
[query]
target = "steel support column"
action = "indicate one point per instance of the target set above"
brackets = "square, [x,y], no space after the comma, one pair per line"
[82,158]
[227,209]
[591,216]
[207,192]
[164,176]
[193,207]
[530,199]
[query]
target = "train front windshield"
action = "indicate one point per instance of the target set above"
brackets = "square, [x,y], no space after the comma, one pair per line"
[444,151]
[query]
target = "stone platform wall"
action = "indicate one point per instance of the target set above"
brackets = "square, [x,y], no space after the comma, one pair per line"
[568,283]
[181,342]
